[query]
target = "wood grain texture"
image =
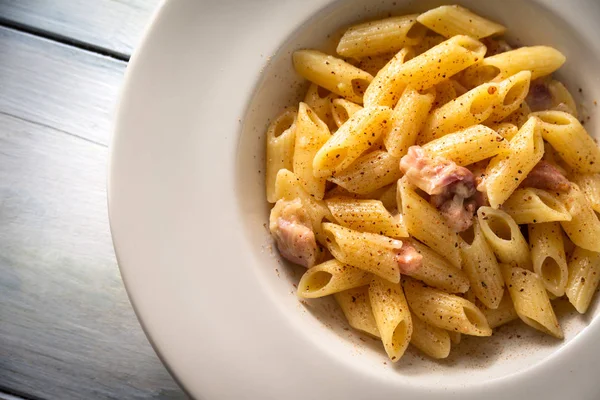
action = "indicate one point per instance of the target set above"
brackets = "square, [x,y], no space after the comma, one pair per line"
[67,329]
[113,25]
[57,85]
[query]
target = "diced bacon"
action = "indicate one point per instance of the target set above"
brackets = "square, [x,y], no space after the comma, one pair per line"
[546,176]
[539,97]
[409,258]
[291,228]
[451,186]
[496,46]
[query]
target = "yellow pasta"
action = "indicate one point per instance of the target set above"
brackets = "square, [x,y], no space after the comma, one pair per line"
[331,277]
[570,139]
[590,186]
[351,140]
[356,306]
[511,92]
[370,172]
[437,272]
[584,227]
[409,117]
[469,145]
[368,251]
[332,73]
[548,256]
[380,37]
[505,129]
[311,135]
[342,110]
[519,116]
[426,224]
[320,100]
[534,206]
[584,276]
[456,20]
[504,236]
[531,300]
[433,341]
[481,267]
[366,216]
[392,316]
[506,171]
[445,311]
[422,72]
[281,137]
[503,314]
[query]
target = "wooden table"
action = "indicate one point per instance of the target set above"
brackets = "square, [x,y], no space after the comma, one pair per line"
[67,329]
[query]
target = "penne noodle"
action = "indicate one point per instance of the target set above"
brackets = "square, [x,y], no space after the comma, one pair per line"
[356,306]
[370,172]
[584,227]
[503,314]
[469,145]
[422,72]
[456,20]
[332,73]
[331,277]
[366,216]
[584,275]
[562,100]
[281,137]
[519,116]
[504,237]
[392,316]
[505,129]
[445,311]
[548,256]
[351,140]
[380,37]
[570,139]
[320,100]
[535,206]
[433,341]
[512,92]
[481,267]
[590,186]
[311,135]
[342,110]
[531,300]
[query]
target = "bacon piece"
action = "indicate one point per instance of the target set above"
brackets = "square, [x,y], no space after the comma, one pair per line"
[539,97]
[546,176]
[291,228]
[409,258]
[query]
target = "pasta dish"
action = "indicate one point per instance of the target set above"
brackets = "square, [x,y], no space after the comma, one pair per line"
[436,181]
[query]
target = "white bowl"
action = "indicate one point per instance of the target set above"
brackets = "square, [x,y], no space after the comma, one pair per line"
[188,214]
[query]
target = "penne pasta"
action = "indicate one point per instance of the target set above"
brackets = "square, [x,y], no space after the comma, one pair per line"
[511,93]
[422,72]
[437,272]
[540,60]
[562,100]
[454,337]
[366,216]
[320,100]
[504,237]
[380,37]
[281,138]
[331,277]
[426,224]
[535,206]
[392,316]
[342,110]
[332,73]
[584,275]
[409,117]
[481,267]
[506,171]
[445,92]
[519,116]
[445,311]
[351,140]
[506,129]
[470,109]
[584,227]
[531,300]
[548,256]
[368,251]
[356,306]
[455,20]
[570,139]
[503,314]
[311,135]
[370,172]
[469,145]
[431,340]
[590,186]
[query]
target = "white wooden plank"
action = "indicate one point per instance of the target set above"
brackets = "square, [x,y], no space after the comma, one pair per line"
[113,25]
[67,328]
[57,85]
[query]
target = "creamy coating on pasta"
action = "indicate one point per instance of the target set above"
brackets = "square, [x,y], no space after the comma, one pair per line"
[405,179]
